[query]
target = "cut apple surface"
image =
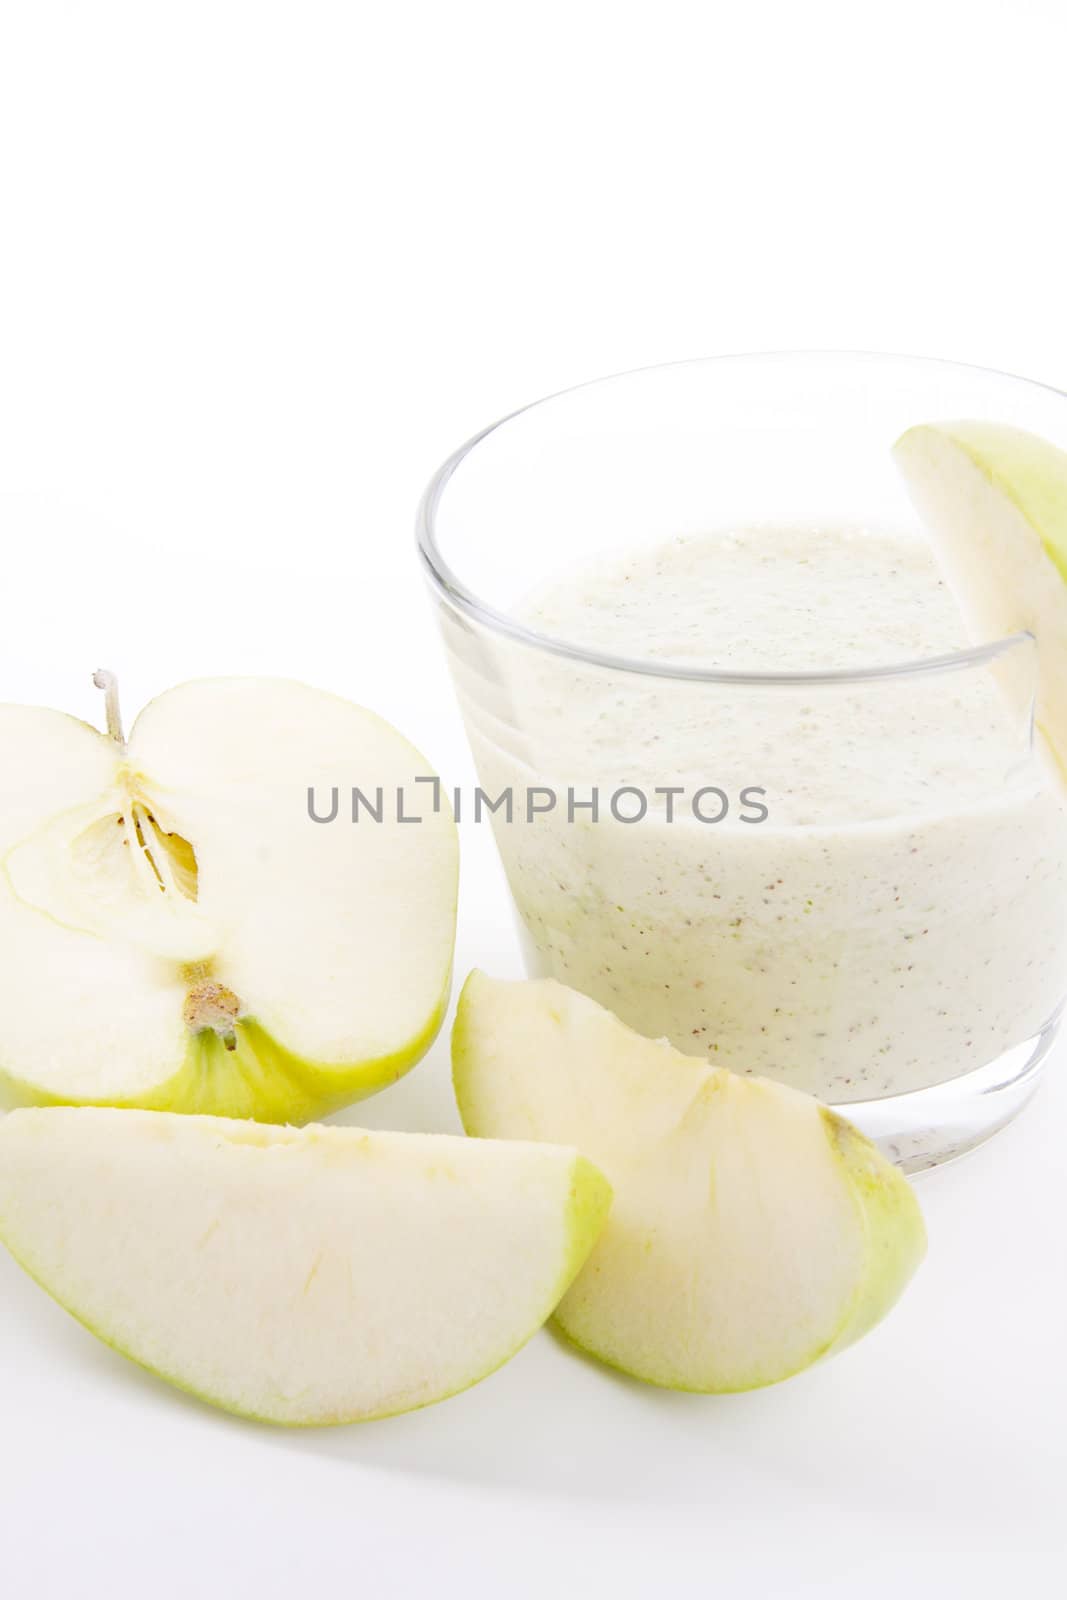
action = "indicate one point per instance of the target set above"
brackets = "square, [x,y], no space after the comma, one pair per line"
[315,1275]
[995,501]
[176,931]
[752,1232]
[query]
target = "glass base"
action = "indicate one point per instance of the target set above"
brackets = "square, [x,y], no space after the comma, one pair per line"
[932,1126]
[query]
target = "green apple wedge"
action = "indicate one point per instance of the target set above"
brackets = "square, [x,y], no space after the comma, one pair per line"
[182,929]
[753,1231]
[305,1276]
[994,498]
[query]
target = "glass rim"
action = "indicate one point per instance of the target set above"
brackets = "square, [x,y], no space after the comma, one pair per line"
[451,588]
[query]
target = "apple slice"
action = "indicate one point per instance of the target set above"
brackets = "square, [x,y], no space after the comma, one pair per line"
[753,1231]
[995,500]
[313,1275]
[177,932]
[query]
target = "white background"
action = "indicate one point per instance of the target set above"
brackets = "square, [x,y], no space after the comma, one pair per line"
[261,266]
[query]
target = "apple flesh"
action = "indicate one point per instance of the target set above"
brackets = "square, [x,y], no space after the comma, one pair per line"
[753,1231]
[178,933]
[315,1275]
[994,499]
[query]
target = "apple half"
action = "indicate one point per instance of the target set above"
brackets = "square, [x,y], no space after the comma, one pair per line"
[994,499]
[177,933]
[296,1275]
[753,1231]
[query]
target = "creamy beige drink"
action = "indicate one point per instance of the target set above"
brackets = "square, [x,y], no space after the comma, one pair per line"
[898,916]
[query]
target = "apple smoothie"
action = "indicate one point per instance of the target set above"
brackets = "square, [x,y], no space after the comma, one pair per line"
[869,896]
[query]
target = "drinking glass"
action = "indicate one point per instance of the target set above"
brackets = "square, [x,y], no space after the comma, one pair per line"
[851,879]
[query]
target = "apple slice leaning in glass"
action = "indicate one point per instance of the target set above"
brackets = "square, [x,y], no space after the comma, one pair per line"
[994,499]
[177,933]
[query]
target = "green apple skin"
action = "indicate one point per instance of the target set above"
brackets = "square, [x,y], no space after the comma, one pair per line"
[994,499]
[257,1078]
[586,1203]
[886,1231]
[1027,470]
[893,1224]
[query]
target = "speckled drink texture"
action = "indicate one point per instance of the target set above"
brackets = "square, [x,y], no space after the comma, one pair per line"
[901,916]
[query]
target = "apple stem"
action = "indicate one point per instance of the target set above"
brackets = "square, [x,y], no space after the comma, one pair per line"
[110,685]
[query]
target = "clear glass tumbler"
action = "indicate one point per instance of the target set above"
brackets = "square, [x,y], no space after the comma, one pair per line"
[851,878]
